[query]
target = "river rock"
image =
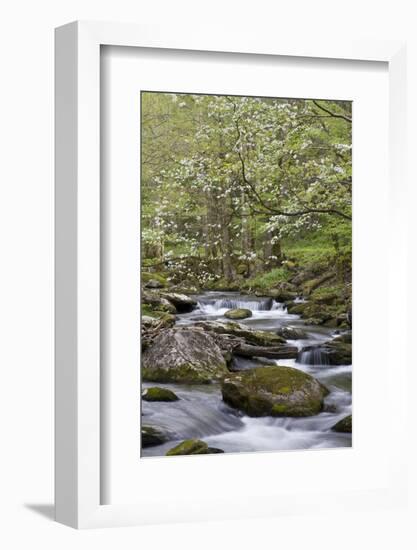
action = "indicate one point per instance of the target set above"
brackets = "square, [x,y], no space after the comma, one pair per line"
[183,303]
[157,303]
[281,295]
[346,338]
[238,313]
[151,436]
[334,352]
[297,308]
[339,352]
[291,333]
[274,391]
[183,355]
[153,283]
[159,394]
[193,447]
[344,425]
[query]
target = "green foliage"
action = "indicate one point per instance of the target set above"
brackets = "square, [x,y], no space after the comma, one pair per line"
[232,180]
[147,276]
[268,280]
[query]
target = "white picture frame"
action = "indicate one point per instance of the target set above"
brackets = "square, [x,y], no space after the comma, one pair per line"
[78,411]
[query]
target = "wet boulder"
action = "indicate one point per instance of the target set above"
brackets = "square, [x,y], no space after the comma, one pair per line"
[159,394]
[292,333]
[239,313]
[334,352]
[183,355]
[151,436]
[344,425]
[339,352]
[182,303]
[274,391]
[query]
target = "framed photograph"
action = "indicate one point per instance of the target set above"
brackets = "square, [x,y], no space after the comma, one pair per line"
[222,245]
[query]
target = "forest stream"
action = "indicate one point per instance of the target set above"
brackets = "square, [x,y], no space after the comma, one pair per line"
[201,413]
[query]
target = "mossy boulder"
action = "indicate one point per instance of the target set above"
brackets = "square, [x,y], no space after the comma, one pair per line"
[344,425]
[240,313]
[281,295]
[155,302]
[154,318]
[297,308]
[159,394]
[274,391]
[327,298]
[153,278]
[333,352]
[242,269]
[346,338]
[152,436]
[193,447]
[189,447]
[185,355]
[339,352]
[292,333]
[312,284]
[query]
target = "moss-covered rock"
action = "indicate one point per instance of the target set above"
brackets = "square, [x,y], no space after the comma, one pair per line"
[297,308]
[189,447]
[327,296]
[223,285]
[159,278]
[155,302]
[154,318]
[240,313]
[334,352]
[344,425]
[159,394]
[151,436]
[312,284]
[281,295]
[339,352]
[274,391]
[346,338]
[242,269]
[183,355]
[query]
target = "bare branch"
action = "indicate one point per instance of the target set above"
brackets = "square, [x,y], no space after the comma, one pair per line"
[331,113]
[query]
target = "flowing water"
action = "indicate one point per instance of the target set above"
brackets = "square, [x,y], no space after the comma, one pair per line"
[201,413]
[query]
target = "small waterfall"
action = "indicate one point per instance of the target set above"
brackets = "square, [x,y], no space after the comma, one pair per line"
[263,304]
[313,356]
[278,306]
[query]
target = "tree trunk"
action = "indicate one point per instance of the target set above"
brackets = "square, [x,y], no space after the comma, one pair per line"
[272,249]
[226,243]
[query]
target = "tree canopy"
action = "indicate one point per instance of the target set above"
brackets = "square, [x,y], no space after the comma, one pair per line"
[226,181]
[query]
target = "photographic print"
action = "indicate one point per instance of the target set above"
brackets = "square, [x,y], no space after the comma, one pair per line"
[246,274]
